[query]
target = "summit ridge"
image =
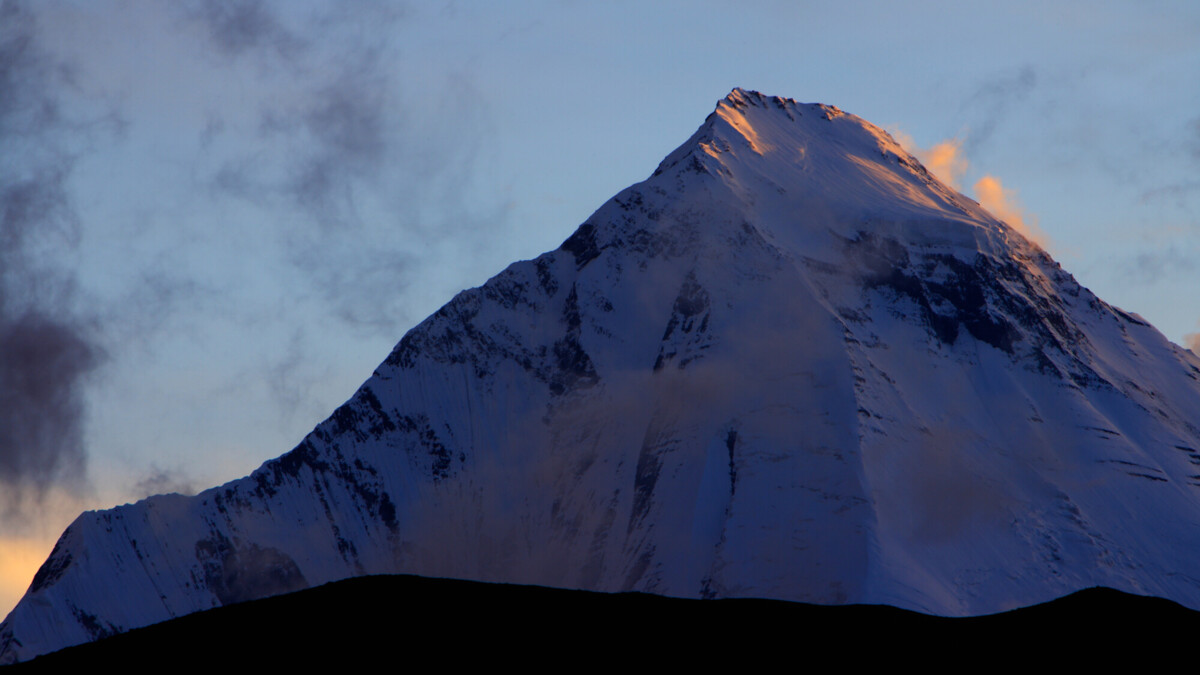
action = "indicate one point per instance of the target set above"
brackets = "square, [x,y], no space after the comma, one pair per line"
[789,364]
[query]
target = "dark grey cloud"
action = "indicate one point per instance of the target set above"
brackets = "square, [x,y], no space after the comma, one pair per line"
[240,26]
[48,347]
[992,101]
[43,361]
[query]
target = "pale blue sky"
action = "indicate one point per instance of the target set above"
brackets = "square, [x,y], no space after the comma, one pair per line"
[249,202]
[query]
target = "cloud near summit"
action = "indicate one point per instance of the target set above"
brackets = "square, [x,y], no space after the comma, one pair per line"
[947,161]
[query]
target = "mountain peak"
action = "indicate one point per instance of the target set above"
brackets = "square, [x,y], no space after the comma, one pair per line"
[790,364]
[741,99]
[817,173]
[817,158]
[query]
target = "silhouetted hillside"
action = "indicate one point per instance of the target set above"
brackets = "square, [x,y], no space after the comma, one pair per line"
[403,621]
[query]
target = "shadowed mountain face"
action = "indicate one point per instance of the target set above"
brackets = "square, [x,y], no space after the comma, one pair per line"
[790,365]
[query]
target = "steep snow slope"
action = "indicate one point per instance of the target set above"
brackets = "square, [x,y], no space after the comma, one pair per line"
[789,364]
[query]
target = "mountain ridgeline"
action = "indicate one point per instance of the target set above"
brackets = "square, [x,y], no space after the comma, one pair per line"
[791,364]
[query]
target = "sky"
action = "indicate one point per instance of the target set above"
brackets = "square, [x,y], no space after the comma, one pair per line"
[216,218]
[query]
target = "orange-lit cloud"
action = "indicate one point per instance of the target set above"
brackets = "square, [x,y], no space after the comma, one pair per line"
[945,160]
[1192,342]
[1002,203]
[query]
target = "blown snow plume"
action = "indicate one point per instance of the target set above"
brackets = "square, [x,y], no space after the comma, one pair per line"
[790,364]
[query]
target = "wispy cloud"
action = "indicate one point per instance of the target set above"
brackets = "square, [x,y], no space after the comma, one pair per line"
[991,102]
[353,169]
[159,481]
[1180,192]
[1151,267]
[339,137]
[292,378]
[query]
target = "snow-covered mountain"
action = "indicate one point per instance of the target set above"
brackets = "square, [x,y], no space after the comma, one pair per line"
[790,364]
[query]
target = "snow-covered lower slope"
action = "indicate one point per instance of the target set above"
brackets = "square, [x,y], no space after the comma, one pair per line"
[790,364]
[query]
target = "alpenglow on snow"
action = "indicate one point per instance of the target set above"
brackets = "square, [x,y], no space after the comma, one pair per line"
[790,364]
